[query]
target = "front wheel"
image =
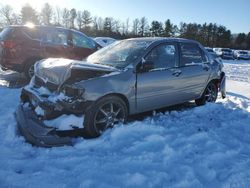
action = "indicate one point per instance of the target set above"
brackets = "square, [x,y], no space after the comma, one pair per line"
[210,94]
[104,114]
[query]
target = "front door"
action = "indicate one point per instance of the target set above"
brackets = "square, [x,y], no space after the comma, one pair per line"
[82,46]
[159,86]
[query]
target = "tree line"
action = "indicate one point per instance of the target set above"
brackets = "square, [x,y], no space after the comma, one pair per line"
[209,34]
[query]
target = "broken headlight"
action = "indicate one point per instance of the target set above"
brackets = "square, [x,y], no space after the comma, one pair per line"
[72,91]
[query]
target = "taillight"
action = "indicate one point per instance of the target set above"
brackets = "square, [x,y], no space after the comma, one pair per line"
[8,44]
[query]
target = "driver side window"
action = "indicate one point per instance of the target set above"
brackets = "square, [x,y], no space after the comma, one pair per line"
[81,41]
[163,56]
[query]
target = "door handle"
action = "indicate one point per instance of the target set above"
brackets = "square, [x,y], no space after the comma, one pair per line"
[176,73]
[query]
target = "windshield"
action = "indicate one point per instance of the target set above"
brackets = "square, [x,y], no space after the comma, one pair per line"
[119,54]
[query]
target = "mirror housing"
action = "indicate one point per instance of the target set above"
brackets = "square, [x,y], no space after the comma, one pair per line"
[145,66]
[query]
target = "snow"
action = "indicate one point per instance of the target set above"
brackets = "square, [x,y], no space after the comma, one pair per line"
[206,146]
[66,122]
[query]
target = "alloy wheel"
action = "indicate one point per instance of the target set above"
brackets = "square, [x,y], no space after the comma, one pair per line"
[108,115]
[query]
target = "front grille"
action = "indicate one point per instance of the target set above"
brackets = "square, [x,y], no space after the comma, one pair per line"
[50,86]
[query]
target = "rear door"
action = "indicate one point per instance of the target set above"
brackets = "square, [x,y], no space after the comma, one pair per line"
[195,70]
[54,42]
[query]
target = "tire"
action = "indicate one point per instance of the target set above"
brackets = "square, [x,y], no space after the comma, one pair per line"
[29,67]
[210,94]
[29,70]
[104,114]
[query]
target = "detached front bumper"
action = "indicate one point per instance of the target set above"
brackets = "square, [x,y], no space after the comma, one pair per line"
[36,132]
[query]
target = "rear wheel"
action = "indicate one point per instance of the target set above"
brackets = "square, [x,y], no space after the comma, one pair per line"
[209,95]
[29,68]
[104,114]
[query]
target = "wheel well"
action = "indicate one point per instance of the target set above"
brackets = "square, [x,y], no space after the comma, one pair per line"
[124,98]
[31,60]
[216,82]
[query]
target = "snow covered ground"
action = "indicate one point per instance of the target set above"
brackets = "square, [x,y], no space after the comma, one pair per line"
[207,146]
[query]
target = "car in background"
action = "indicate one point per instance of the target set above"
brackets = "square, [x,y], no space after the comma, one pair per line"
[224,53]
[124,78]
[211,52]
[104,41]
[241,54]
[22,46]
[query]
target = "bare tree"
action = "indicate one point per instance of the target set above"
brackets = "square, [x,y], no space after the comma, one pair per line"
[66,17]
[46,14]
[127,26]
[95,23]
[100,23]
[79,20]
[6,13]
[57,16]
[117,26]
[87,19]
[136,23]
[143,27]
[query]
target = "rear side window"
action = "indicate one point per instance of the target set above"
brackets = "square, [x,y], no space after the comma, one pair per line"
[191,54]
[55,36]
[82,41]
[32,33]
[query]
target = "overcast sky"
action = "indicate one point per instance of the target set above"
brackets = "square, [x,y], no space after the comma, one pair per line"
[234,14]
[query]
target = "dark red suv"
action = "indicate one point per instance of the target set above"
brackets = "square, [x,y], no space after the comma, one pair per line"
[22,46]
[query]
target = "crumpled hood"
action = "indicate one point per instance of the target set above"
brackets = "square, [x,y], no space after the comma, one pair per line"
[58,70]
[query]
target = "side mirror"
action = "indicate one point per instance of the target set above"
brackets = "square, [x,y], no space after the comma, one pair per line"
[145,66]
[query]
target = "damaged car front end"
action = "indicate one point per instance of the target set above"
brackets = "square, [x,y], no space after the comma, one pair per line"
[51,93]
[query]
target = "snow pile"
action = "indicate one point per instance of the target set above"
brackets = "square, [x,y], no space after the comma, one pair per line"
[207,146]
[237,70]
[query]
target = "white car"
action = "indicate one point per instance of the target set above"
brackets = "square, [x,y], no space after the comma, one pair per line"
[211,52]
[224,53]
[104,41]
[241,54]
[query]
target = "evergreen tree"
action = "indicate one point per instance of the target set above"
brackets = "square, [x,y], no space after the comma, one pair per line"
[169,29]
[156,29]
[72,17]
[28,14]
[241,41]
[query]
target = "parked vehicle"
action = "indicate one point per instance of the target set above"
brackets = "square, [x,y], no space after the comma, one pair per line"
[104,41]
[22,46]
[224,53]
[241,54]
[211,52]
[124,78]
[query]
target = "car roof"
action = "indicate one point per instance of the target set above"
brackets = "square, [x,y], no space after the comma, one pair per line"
[162,39]
[39,26]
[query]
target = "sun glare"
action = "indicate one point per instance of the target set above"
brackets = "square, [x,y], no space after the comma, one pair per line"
[30,25]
